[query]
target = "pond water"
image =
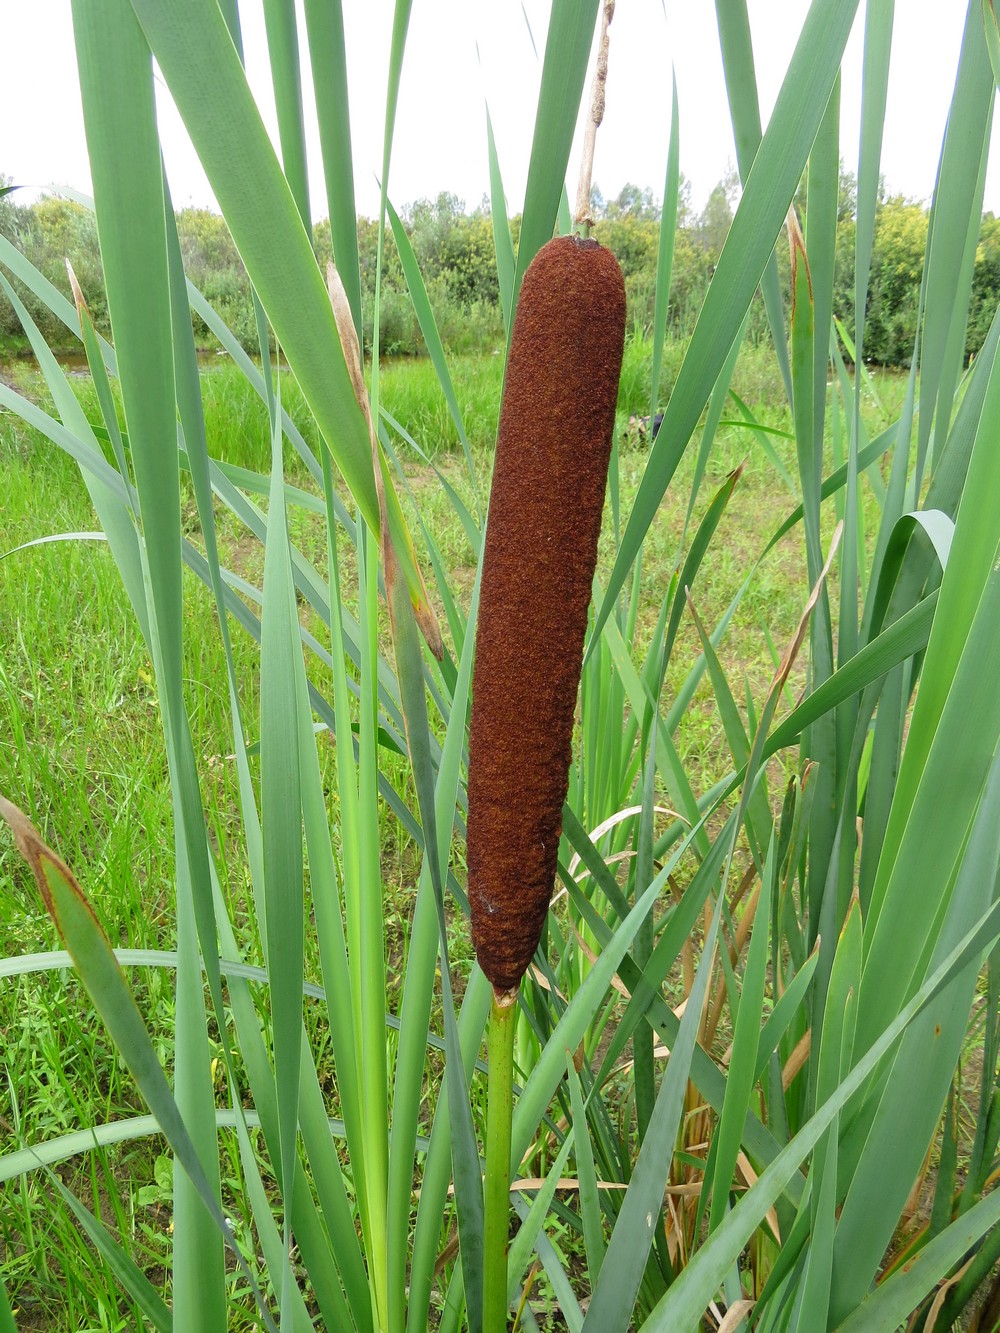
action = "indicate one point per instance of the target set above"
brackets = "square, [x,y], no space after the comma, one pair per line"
[75,363]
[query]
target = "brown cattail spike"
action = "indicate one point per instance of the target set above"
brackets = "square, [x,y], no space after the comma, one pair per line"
[556,426]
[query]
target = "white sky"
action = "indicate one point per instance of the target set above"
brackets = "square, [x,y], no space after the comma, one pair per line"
[440,141]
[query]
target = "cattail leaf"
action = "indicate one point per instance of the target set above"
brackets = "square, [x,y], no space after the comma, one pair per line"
[300,1210]
[665,250]
[391,525]
[816,1282]
[590,1203]
[327,52]
[713,416]
[962,859]
[438,1171]
[283,54]
[502,244]
[937,530]
[429,329]
[117,438]
[116,84]
[7,1324]
[252,374]
[770,186]
[77,438]
[803,333]
[970,576]
[110,497]
[202,69]
[953,231]
[893,1300]
[758,812]
[991,26]
[744,110]
[746,1034]
[836,482]
[468,1180]
[904,637]
[531,1226]
[875,81]
[414,1017]
[281,824]
[763,434]
[573,1022]
[50,296]
[780,1018]
[640,692]
[453,612]
[644,983]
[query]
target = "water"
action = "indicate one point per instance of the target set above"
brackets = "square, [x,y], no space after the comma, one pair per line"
[75,363]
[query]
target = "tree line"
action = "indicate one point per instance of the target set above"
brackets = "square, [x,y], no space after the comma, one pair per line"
[454,247]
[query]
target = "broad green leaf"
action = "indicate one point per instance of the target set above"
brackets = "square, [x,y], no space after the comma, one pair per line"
[7,1324]
[744,110]
[283,51]
[991,25]
[898,1296]
[530,1228]
[327,52]
[743,1060]
[502,243]
[116,82]
[665,252]
[282,695]
[590,1203]
[203,72]
[955,216]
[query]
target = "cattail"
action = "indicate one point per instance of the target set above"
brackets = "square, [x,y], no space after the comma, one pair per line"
[556,425]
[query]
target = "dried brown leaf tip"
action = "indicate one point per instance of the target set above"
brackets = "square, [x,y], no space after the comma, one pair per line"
[422,609]
[554,442]
[42,860]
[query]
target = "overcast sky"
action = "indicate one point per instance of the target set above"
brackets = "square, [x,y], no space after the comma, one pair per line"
[462,54]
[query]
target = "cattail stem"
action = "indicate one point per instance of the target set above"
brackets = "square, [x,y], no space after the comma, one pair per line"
[583,219]
[499,1108]
[553,443]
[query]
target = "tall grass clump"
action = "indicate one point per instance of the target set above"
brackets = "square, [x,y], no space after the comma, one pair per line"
[756,1035]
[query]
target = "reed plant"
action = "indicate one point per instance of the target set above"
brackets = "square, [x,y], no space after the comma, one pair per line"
[741,1042]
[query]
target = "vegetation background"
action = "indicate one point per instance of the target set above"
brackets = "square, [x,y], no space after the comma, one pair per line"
[454,247]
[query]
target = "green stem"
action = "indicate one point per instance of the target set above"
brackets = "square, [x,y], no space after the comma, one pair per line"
[499,1107]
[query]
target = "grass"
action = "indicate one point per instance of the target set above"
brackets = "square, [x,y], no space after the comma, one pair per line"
[84,749]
